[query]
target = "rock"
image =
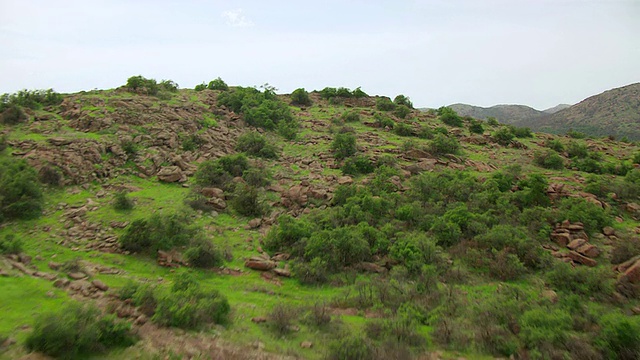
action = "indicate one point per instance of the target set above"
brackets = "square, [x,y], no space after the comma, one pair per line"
[550,295]
[24,258]
[581,259]
[282,272]
[20,267]
[54,265]
[573,245]
[77,275]
[255,223]
[633,273]
[61,283]
[57,141]
[141,320]
[627,264]
[562,239]
[345,180]
[576,227]
[608,231]
[280,257]
[259,319]
[212,192]
[306,344]
[217,203]
[589,250]
[100,285]
[171,174]
[259,345]
[260,264]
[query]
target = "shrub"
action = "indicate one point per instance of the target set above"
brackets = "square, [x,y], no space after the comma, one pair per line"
[403,100]
[158,232]
[625,249]
[543,327]
[318,315]
[255,144]
[358,93]
[300,97]
[385,104]
[337,247]
[350,116]
[343,146]
[577,150]
[140,84]
[246,201]
[32,99]
[329,93]
[425,132]
[13,115]
[576,134]
[548,159]
[554,144]
[588,165]
[384,121]
[619,336]
[357,165]
[403,129]
[203,254]
[129,147]
[311,273]
[10,244]
[442,144]
[521,132]
[50,175]
[122,202]
[352,348]
[192,142]
[503,136]
[475,127]
[218,84]
[168,85]
[76,331]
[20,193]
[189,306]
[220,172]
[288,233]
[491,121]
[449,116]
[200,87]
[256,176]
[281,318]
[402,111]
[582,280]
[593,216]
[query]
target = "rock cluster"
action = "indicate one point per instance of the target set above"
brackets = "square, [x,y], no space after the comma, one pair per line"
[572,236]
[270,264]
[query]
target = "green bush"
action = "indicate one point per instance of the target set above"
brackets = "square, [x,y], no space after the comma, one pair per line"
[220,172]
[158,232]
[383,121]
[576,134]
[246,201]
[329,93]
[50,175]
[520,132]
[449,116]
[554,144]
[311,273]
[403,100]
[593,216]
[548,159]
[491,121]
[588,165]
[192,142]
[13,115]
[503,136]
[541,328]
[140,84]
[169,86]
[3,143]
[300,97]
[425,132]
[619,336]
[442,144]
[189,306]
[403,129]
[203,254]
[255,144]
[122,202]
[200,87]
[218,84]
[415,250]
[20,193]
[10,244]
[281,318]
[577,150]
[356,165]
[343,145]
[385,104]
[287,234]
[350,116]
[581,280]
[339,247]
[76,331]
[475,127]
[32,99]
[402,111]
[351,347]
[129,147]
[256,176]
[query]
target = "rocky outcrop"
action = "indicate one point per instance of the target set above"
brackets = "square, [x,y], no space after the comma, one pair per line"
[572,236]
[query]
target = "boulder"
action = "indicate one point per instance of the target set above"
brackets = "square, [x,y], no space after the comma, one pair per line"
[259,319]
[345,180]
[576,227]
[171,174]
[633,273]
[100,285]
[575,244]
[282,272]
[306,344]
[581,259]
[254,223]
[212,192]
[280,257]
[260,264]
[608,231]
[589,250]
[77,275]
[562,239]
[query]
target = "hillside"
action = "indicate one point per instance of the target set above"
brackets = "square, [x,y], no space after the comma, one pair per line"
[614,112]
[153,222]
[506,114]
[555,109]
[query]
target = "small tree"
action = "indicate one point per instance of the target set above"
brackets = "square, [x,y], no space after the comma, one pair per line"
[449,116]
[300,97]
[403,100]
[218,84]
[475,127]
[344,145]
[385,104]
[503,136]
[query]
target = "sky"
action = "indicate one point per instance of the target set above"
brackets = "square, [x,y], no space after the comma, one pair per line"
[437,52]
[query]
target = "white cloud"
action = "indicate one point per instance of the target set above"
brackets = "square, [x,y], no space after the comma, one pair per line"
[235,18]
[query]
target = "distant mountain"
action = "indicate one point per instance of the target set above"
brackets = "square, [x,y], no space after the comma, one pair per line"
[614,112]
[556,108]
[506,114]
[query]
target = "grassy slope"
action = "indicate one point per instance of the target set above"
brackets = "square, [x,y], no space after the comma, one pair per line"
[249,294]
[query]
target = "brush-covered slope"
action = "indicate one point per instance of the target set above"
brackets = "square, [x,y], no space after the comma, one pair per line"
[506,114]
[614,112]
[235,223]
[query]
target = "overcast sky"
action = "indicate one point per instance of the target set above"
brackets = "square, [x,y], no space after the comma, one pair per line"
[437,52]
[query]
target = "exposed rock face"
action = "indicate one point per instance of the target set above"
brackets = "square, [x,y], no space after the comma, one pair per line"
[257,263]
[581,259]
[171,174]
[633,273]
[573,237]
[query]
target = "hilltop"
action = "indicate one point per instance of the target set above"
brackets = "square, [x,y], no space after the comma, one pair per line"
[506,114]
[615,112]
[150,221]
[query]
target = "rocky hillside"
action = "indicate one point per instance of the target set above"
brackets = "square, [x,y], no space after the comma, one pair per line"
[506,114]
[235,223]
[614,112]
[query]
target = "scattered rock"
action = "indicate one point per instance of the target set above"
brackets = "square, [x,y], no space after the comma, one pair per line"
[54,265]
[100,285]
[254,223]
[77,275]
[589,250]
[583,260]
[61,283]
[306,344]
[280,257]
[282,272]
[575,244]
[259,264]
[633,273]
[608,231]
[141,320]
[345,180]
[171,174]
[562,239]
[259,319]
